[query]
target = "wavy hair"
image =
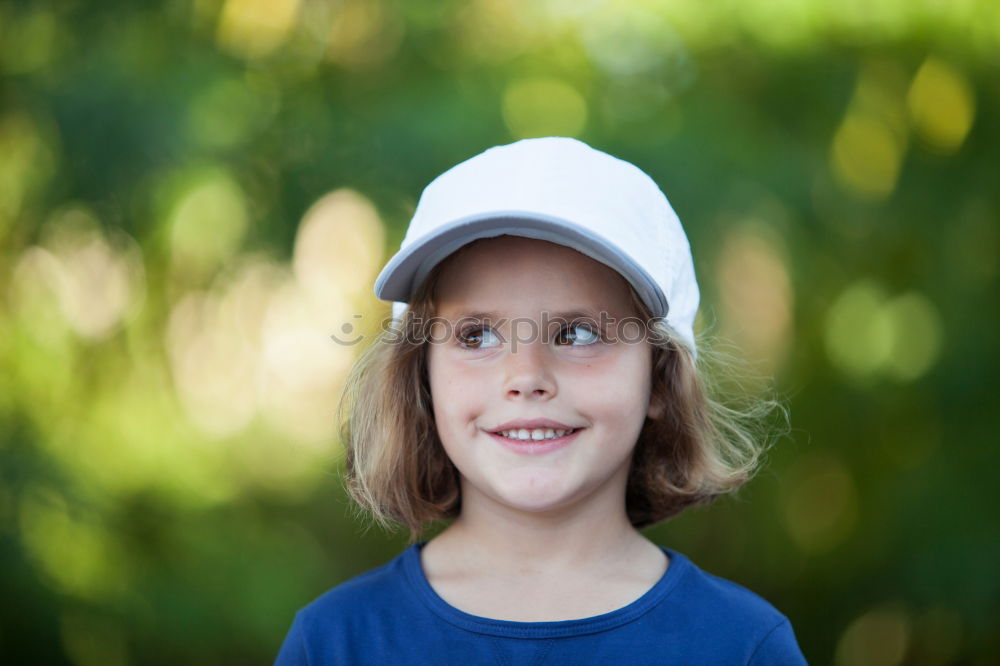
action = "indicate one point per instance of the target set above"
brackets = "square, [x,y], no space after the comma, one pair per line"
[397,471]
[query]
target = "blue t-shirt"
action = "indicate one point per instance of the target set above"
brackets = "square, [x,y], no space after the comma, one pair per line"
[391,615]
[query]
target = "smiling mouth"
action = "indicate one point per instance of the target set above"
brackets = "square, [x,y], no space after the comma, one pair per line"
[535,434]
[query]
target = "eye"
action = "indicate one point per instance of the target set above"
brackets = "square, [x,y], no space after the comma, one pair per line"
[578,335]
[477,337]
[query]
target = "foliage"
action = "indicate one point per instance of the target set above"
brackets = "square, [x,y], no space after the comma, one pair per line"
[194,194]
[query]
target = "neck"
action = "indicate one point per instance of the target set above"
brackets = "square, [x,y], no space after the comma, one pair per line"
[589,535]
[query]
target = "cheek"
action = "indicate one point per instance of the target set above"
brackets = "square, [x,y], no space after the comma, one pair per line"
[628,374]
[440,385]
[617,391]
[457,395]
[444,382]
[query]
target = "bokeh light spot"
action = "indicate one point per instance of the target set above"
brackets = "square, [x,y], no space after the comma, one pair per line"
[100,280]
[26,163]
[628,39]
[302,370]
[543,107]
[50,531]
[878,638]
[214,341]
[256,28]
[230,110]
[34,297]
[881,91]
[495,30]
[137,440]
[917,336]
[868,333]
[865,156]
[213,366]
[339,246]
[859,336]
[941,105]
[207,223]
[820,509]
[756,295]
[364,33]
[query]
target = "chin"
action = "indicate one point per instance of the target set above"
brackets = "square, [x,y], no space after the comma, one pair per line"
[534,494]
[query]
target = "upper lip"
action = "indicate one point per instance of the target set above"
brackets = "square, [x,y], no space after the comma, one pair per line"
[531,424]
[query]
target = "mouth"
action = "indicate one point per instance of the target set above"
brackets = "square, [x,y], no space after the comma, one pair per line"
[535,441]
[534,434]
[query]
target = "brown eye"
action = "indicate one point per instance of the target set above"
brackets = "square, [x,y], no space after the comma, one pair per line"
[577,334]
[477,337]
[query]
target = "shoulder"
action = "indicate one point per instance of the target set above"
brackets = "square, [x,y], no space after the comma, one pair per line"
[726,597]
[347,623]
[368,592]
[732,617]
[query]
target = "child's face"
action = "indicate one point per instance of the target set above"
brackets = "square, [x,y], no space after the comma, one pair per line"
[480,384]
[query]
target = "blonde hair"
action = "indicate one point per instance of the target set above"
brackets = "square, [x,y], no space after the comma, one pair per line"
[397,470]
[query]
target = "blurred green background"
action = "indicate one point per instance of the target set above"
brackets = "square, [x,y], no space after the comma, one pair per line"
[195,194]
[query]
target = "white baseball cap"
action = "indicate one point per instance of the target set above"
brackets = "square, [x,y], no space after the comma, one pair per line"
[563,191]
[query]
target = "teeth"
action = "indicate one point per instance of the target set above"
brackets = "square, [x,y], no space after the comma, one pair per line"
[534,435]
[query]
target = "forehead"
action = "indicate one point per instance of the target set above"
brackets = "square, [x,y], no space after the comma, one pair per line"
[513,273]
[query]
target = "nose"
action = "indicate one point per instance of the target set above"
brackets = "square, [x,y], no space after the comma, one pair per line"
[528,373]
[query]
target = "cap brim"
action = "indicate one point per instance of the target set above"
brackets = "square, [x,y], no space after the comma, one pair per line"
[411,265]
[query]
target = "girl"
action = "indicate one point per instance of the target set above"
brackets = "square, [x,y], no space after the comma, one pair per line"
[539,389]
